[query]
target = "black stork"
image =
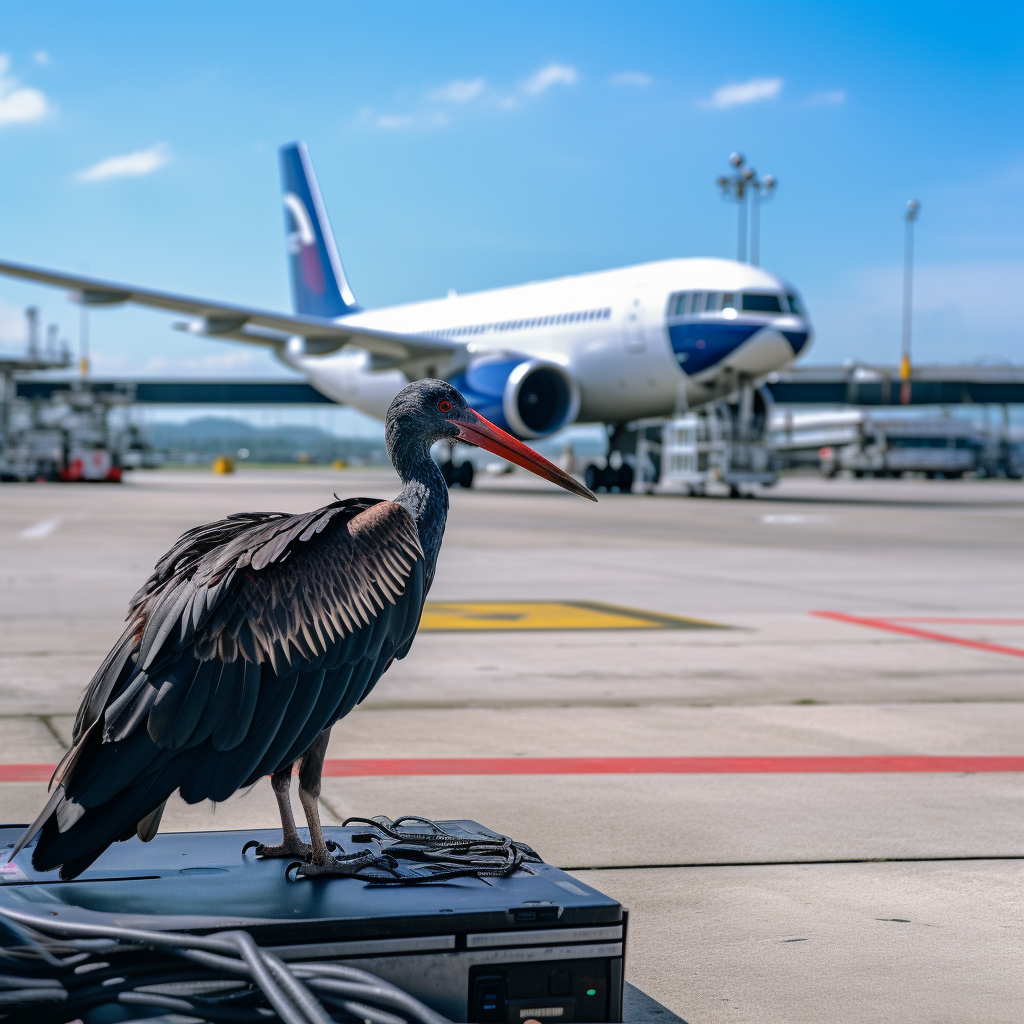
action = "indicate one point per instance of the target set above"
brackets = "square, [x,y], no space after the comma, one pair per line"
[251,638]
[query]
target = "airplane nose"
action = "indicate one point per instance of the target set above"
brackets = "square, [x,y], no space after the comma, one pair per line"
[797,339]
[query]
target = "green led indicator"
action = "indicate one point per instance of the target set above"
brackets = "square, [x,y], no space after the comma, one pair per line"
[591,991]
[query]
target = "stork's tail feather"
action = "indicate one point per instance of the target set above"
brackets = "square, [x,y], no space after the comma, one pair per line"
[33,830]
[148,827]
[133,811]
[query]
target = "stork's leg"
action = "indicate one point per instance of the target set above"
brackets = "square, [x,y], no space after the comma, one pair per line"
[310,773]
[292,846]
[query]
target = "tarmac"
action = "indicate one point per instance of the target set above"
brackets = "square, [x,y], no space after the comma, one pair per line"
[755,896]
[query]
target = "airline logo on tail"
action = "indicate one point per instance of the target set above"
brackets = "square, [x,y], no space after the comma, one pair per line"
[319,287]
[301,242]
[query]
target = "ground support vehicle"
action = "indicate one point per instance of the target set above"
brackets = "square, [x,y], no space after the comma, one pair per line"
[938,447]
[723,444]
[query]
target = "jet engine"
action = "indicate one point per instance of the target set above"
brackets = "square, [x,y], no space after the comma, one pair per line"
[527,397]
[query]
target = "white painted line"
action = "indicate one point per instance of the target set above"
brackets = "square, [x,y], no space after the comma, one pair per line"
[783,517]
[39,530]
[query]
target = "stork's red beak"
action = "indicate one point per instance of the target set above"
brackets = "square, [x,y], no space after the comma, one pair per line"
[484,434]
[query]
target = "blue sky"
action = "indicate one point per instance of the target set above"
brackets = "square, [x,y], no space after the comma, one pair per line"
[471,146]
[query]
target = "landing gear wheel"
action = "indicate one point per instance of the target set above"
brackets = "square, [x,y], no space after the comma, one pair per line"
[465,475]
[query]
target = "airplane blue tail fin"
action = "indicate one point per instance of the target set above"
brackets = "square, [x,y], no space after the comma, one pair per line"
[319,287]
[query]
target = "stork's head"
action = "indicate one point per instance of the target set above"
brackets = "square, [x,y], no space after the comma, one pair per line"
[432,410]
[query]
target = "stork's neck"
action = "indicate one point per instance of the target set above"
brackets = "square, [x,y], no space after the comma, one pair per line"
[425,495]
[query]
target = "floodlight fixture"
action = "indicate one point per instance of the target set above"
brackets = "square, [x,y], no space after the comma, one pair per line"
[735,188]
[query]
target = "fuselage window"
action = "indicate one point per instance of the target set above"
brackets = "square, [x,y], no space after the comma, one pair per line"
[712,302]
[729,301]
[762,303]
[537,321]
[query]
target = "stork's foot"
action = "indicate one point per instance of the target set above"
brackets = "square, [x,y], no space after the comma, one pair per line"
[338,866]
[290,848]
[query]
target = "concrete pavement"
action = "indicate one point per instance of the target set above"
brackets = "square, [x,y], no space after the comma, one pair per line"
[732,919]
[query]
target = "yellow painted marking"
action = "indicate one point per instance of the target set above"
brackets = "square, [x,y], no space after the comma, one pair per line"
[444,616]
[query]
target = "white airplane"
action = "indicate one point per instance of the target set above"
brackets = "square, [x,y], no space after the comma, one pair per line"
[608,347]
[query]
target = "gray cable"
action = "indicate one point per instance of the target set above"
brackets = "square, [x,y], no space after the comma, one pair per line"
[394,998]
[369,1013]
[298,992]
[154,999]
[342,972]
[291,1012]
[286,987]
[19,997]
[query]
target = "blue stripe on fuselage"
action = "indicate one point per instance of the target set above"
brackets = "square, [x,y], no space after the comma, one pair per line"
[700,345]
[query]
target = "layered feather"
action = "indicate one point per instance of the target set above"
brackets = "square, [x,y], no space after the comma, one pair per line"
[252,635]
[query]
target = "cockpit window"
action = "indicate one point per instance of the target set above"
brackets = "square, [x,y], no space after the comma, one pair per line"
[694,304]
[761,303]
[795,306]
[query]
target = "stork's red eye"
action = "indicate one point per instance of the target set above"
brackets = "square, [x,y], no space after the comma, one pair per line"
[444,405]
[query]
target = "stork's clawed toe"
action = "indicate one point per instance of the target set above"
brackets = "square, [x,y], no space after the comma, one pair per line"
[289,849]
[317,867]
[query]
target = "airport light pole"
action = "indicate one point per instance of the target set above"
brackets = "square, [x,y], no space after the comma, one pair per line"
[763,190]
[83,340]
[734,188]
[909,218]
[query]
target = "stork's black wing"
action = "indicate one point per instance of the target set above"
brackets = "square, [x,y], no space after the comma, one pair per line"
[252,636]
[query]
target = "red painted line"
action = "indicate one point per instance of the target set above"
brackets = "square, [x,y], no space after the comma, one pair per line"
[938,620]
[665,765]
[901,763]
[923,634]
[26,772]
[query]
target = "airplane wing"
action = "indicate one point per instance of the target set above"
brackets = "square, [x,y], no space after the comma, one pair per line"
[241,323]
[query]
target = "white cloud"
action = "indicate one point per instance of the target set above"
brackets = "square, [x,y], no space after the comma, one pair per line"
[831,98]
[403,122]
[636,78]
[130,165]
[459,91]
[553,74]
[41,57]
[463,91]
[734,94]
[19,104]
[394,122]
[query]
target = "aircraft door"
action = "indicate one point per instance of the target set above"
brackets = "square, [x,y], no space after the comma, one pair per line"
[636,332]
